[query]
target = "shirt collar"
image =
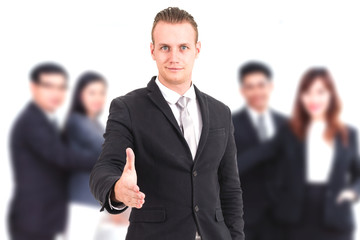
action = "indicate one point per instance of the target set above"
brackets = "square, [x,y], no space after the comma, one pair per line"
[319,125]
[255,114]
[171,96]
[51,116]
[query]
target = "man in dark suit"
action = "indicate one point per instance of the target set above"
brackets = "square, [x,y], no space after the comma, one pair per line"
[41,161]
[184,146]
[254,125]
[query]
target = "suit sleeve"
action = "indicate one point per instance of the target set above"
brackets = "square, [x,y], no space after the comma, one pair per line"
[230,190]
[50,147]
[255,156]
[109,167]
[77,131]
[355,165]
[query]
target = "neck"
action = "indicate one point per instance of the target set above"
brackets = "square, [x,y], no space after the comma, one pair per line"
[43,108]
[318,119]
[180,88]
[92,116]
[258,109]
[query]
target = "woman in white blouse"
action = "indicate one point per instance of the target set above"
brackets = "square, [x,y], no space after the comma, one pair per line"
[320,164]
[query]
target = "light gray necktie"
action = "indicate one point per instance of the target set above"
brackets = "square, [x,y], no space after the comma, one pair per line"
[188,130]
[261,127]
[187,124]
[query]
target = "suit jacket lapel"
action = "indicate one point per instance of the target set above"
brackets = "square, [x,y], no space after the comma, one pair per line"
[158,99]
[298,159]
[276,120]
[339,152]
[250,126]
[204,109]
[36,110]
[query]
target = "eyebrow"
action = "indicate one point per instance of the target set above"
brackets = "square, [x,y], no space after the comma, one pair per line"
[165,44]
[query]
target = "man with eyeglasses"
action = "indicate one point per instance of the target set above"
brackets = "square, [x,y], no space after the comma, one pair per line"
[255,124]
[41,161]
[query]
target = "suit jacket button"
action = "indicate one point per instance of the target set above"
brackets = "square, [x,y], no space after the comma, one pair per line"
[196,208]
[195,173]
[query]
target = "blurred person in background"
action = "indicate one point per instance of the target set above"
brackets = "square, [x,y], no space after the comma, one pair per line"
[84,133]
[41,161]
[184,147]
[320,164]
[254,125]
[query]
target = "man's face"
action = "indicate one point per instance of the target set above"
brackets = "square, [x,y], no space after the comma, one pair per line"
[174,50]
[256,89]
[49,92]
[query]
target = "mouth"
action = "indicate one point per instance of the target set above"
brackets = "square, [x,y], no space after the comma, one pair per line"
[314,108]
[175,69]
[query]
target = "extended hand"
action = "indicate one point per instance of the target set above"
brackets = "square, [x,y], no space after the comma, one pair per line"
[126,189]
[346,195]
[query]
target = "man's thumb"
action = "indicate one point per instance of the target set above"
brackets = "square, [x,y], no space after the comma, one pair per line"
[130,159]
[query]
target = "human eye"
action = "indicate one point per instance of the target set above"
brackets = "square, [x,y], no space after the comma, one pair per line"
[183,47]
[165,48]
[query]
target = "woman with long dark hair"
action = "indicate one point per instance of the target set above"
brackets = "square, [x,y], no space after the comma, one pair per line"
[84,133]
[320,164]
[83,129]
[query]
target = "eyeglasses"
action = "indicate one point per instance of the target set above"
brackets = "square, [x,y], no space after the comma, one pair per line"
[50,86]
[260,85]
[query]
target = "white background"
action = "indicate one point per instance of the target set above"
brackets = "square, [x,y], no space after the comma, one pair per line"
[113,37]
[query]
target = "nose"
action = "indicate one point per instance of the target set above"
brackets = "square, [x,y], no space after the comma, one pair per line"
[174,56]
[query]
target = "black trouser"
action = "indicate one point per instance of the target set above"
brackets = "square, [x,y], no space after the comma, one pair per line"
[266,229]
[311,225]
[17,234]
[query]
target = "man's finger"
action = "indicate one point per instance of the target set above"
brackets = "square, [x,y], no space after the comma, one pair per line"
[132,187]
[135,203]
[136,195]
[130,159]
[133,194]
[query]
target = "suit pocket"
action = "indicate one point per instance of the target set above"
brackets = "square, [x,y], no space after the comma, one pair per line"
[219,215]
[216,131]
[340,216]
[149,215]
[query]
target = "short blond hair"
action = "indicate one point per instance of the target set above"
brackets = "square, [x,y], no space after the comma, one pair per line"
[174,15]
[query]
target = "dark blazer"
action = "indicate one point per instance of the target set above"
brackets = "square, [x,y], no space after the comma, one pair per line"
[181,194]
[345,173]
[83,135]
[259,183]
[41,163]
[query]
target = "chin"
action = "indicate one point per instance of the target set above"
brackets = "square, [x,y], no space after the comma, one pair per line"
[316,114]
[175,79]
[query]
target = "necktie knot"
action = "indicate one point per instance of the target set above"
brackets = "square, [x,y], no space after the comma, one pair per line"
[182,102]
[261,118]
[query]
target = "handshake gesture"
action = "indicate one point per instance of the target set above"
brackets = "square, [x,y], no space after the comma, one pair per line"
[126,189]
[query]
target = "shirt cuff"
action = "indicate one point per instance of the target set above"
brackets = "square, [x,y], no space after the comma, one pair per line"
[115,206]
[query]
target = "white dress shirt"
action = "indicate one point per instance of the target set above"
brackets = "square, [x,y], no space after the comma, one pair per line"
[268,120]
[193,107]
[319,153]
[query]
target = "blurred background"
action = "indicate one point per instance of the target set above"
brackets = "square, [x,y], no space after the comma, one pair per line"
[113,38]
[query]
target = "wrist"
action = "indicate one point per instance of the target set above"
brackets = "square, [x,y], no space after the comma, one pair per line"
[115,197]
